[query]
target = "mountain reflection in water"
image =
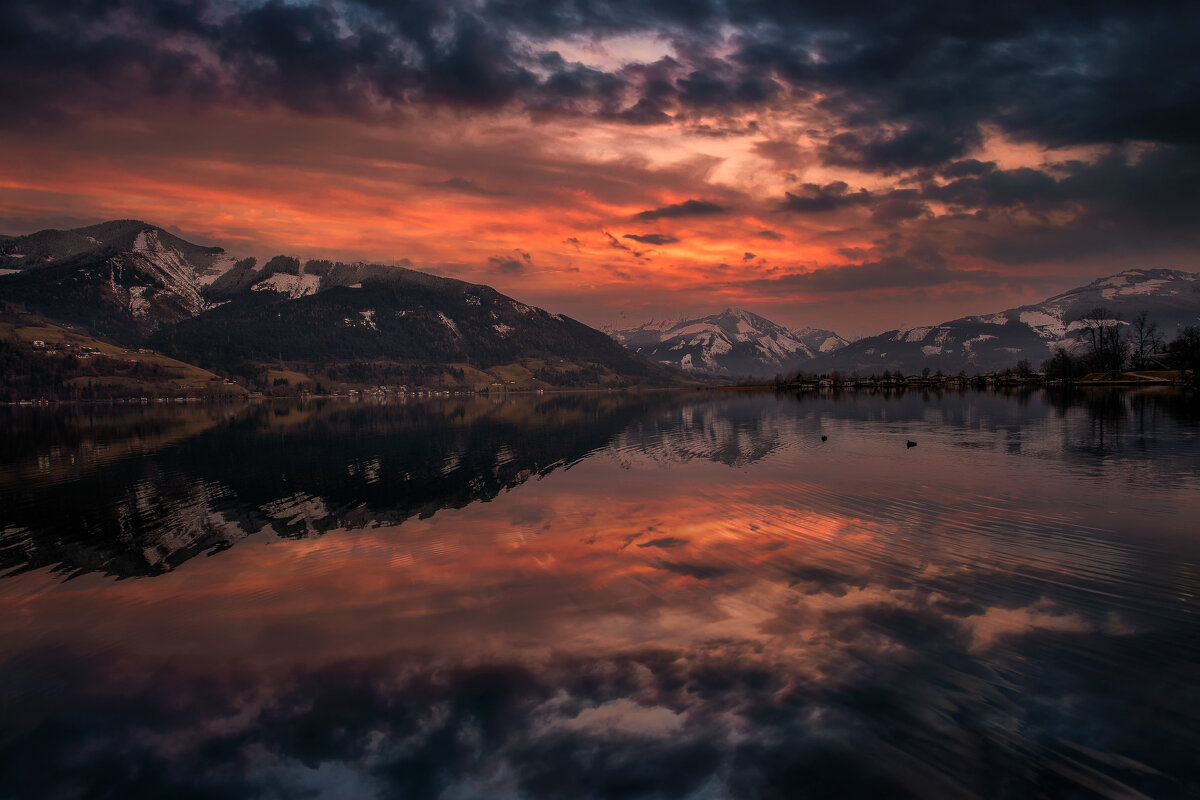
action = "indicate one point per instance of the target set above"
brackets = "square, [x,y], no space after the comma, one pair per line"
[604,595]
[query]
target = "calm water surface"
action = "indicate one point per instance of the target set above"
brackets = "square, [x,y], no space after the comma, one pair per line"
[609,596]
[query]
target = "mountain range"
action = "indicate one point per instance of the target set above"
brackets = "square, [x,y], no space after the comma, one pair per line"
[325,323]
[290,322]
[732,343]
[989,342]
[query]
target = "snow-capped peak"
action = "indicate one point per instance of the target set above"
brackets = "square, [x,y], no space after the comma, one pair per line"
[1169,298]
[731,342]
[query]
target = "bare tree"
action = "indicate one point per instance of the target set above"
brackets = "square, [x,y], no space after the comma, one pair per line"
[1145,338]
[1101,332]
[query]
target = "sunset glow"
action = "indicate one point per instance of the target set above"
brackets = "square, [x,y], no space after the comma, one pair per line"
[902,164]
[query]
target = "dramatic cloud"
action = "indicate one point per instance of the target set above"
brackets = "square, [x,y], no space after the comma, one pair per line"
[688,208]
[510,265]
[935,76]
[1057,136]
[651,238]
[904,150]
[815,199]
[616,244]
[998,189]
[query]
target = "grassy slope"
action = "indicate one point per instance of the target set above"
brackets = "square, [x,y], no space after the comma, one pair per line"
[155,374]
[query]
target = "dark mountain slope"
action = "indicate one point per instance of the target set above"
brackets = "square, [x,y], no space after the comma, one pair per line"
[398,316]
[121,279]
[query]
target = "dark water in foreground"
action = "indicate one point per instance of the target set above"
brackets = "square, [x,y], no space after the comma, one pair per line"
[657,596]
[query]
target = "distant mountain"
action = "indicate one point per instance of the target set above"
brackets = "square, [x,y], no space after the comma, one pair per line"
[990,342]
[732,343]
[123,278]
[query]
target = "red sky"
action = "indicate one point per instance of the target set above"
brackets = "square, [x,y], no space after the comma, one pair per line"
[814,167]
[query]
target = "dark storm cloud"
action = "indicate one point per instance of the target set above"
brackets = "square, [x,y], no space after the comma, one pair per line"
[998,189]
[1123,202]
[710,89]
[888,208]
[887,154]
[1120,205]
[967,167]
[909,85]
[815,199]
[1143,193]
[899,205]
[688,208]
[643,112]
[510,265]
[651,238]
[901,89]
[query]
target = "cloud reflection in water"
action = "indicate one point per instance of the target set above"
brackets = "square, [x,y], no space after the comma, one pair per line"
[709,603]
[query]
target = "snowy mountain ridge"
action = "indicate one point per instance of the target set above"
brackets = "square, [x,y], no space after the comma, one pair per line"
[139,275]
[984,342]
[733,342]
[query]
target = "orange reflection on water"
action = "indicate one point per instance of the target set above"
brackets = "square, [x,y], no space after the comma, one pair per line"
[547,567]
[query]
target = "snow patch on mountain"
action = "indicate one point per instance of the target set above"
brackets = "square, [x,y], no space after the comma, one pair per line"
[832,343]
[220,265]
[1043,321]
[139,306]
[294,286]
[449,323]
[992,319]
[983,337]
[166,267]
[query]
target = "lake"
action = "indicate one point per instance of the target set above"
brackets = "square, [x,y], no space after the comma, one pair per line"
[657,595]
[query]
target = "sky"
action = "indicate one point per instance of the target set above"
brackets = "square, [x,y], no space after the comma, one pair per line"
[854,166]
